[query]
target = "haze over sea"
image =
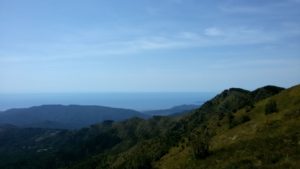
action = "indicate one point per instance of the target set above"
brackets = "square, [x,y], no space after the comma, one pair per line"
[138,100]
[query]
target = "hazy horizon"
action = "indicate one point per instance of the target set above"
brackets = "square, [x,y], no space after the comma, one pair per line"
[137,101]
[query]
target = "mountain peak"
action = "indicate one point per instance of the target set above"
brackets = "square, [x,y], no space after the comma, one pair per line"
[265,92]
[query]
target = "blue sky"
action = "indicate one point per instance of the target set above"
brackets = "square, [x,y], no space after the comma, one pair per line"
[147,45]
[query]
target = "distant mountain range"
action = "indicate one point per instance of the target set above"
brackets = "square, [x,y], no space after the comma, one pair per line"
[78,116]
[65,117]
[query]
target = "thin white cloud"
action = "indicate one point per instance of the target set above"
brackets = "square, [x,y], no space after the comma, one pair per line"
[272,7]
[175,1]
[93,46]
[241,9]
[213,31]
[188,35]
[261,63]
[296,1]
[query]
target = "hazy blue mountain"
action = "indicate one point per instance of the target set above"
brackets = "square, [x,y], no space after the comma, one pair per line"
[173,110]
[60,116]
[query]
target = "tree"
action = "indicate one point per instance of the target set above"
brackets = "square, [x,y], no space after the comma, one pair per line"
[249,107]
[271,107]
[231,121]
[200,141]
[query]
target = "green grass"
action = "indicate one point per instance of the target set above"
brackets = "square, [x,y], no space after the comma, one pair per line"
[265,142]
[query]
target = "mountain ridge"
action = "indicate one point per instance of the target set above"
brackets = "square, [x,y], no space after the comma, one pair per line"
[241,135]
[175,110]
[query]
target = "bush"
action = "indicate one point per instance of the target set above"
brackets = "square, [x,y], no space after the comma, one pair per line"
[231,120]
[249,108]
[271,107]
[244,119]
[221,116]
[235,121]
[200,141]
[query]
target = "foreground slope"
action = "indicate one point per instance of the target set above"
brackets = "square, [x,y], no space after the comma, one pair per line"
[251,139]
[228,112]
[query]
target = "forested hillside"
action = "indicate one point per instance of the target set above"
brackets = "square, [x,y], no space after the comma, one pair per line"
[236,129]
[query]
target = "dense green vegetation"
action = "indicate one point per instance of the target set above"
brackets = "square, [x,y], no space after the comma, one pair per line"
[235,129]
[271,107]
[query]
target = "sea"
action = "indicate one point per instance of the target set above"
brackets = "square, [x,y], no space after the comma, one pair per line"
[140,101]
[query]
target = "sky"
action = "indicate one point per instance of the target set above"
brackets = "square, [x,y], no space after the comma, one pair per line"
[147,45]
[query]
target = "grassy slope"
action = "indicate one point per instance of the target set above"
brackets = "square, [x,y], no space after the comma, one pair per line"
[266,141]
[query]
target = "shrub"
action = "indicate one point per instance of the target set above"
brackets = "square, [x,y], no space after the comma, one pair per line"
[235,121]
[200,141]
[244,119]
[271,107]
[221,115]
[249,108]
[231,120]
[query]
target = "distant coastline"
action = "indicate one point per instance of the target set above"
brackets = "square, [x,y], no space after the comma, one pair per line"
[141,101]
